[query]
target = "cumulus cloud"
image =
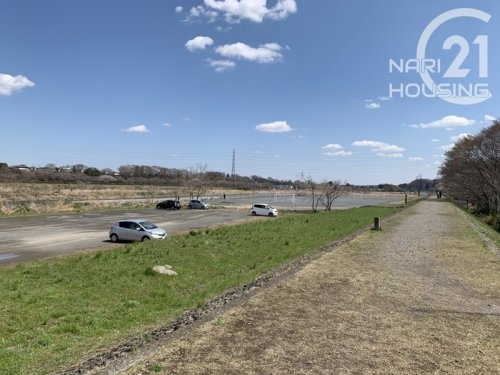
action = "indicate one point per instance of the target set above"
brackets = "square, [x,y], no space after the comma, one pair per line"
[137,129]
[381,149]
[490,118]
[178,9]
[221,65]
[274,127]
[202,12]
[448,122]
[234,11]
[372,105]
[334,149]
[10,84]
[265,53]
[199,42]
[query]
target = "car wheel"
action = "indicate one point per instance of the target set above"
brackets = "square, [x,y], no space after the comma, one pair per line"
[270,214]
[145,238]
[254,213]
[114,238]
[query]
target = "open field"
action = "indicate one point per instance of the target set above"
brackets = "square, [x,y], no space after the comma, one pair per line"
[41,198]
[84,304]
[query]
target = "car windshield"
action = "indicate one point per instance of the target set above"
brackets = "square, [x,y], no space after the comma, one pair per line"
[148,225]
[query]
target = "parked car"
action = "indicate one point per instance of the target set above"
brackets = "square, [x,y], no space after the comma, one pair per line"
[198,204]
[263,209]
[135,230]
[169,204]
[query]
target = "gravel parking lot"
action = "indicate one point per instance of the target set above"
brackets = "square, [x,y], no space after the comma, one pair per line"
[36,237]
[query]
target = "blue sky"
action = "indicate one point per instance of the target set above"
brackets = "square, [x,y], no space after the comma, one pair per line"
[329,89]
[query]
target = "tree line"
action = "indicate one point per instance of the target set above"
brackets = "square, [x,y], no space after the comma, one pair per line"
[194,178]
[471,172]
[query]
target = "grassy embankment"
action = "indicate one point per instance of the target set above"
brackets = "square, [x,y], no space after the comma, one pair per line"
[55,312]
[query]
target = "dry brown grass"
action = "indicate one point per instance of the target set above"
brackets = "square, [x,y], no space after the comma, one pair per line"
[44,198]
[389,302]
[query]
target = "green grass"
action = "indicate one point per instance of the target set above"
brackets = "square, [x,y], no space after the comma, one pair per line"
[55,312]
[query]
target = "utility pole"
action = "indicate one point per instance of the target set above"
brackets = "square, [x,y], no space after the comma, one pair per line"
[233,170]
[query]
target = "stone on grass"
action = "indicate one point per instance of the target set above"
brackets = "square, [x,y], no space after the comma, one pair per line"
[165,270]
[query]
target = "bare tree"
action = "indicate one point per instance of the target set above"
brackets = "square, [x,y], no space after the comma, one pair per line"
[197,180]
[332,190]
[313,188]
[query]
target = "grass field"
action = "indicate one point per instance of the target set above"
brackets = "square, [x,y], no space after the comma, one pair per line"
[56,312]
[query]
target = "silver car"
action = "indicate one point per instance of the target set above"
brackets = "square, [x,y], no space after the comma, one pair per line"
[198,204]
[135,230]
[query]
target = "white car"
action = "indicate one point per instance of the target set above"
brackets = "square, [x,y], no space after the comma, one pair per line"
[263,209]
[135,230]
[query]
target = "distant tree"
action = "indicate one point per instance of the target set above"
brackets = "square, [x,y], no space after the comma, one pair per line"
[78,168]
[91,171]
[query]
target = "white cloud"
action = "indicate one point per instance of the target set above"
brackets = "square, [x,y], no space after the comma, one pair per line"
[332,147]
[490,118]
[201,12]
[460,136]
[396,155]
[253,10]
[381,148]
[372,105]
[137,129]
[342,153]
[9,84]
[448,122]
[167,124]
[372,144]
[274,127]
[338,153]
[199,42]
[265,53]
[221,65]
[435,140]
[415,158]
[178,9]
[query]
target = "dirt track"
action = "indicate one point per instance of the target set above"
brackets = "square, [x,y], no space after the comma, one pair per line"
[422,296]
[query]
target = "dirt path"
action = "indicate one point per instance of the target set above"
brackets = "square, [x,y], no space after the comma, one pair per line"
[422,296]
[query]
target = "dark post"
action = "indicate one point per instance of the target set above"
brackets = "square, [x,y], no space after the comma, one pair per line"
[376,223]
